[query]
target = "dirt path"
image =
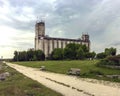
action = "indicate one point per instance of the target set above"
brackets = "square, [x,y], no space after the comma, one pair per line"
[67,85]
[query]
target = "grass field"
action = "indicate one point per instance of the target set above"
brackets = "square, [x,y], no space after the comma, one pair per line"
[88,68]
[19,85]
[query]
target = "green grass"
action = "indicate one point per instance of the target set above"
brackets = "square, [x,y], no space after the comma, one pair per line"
[19,85]
[89,68]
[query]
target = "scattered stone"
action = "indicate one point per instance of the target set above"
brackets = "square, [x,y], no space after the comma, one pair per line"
[42,68]
[73,71]
[7,74]
[113,76]
[3,76]
[100,76]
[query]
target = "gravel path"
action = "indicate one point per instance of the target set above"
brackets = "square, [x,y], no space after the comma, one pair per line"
[67,85]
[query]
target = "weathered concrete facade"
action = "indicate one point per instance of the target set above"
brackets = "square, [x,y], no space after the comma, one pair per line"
[48,44]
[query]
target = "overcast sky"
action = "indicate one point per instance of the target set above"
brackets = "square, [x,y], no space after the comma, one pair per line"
[63,18]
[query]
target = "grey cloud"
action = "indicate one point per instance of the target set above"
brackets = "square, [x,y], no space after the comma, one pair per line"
[26,45]
[16,10]
[1,3]
[71,16]
[117,43]
[67,18]
[19,25]
[18,45]
[21,3]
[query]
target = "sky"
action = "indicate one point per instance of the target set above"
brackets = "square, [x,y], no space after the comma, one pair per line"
[63,18]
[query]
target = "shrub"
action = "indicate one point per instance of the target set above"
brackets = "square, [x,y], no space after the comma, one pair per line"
[95,72]
[110,61]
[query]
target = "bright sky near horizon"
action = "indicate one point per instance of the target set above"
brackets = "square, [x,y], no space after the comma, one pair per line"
[63,18]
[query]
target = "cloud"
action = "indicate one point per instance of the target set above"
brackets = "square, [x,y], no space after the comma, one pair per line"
[99,18]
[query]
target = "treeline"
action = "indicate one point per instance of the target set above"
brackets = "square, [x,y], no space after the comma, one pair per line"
[72,52]
[109,58]
[107,52]
[30,55]
[110,61]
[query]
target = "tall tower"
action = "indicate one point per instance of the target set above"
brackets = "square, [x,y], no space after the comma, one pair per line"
[86,40]
[40,29]
[39,33]
[85,37]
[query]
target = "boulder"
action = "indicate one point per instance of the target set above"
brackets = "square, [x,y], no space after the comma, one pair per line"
[73,71]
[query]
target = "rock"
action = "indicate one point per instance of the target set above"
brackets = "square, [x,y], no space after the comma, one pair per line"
[2,77]
[113,76]
[7,74]
[73,71]
[42,68]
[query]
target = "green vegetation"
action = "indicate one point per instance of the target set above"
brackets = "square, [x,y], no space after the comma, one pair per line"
[107,52]
[72,51]
[89,68]
[110,61]
[29,55]
[57,54]
[18,85]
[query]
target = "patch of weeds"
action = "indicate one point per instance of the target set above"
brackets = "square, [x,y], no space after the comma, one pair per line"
[96,72]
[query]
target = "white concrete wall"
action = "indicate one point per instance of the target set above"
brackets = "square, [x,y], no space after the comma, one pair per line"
[59,44]
[71,42]
[36,44]
[68,42]
[40,45]
[85,43]
[76,42]
[55,44]
[79,42]
[46,47]
[50,46]
[64,44]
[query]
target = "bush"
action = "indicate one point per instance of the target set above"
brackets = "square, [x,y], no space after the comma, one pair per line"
[101,55]
[95,72]
[110,61]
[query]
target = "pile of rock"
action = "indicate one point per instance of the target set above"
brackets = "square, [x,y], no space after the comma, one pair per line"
[113,76]
[42,68]
[74,71]
[4,75]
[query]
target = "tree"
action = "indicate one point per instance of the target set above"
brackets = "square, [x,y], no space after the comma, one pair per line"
[57,54]
[101,55]
[113,51]
[90,55]
[15,58]
[75,51]
[39,55]
[70,51]
[22,56]
[110,51]
[85,48]
[93,54]
[34,58]
[30,54]
[80,53]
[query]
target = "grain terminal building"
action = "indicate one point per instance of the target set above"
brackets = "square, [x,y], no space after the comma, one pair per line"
[48,44]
